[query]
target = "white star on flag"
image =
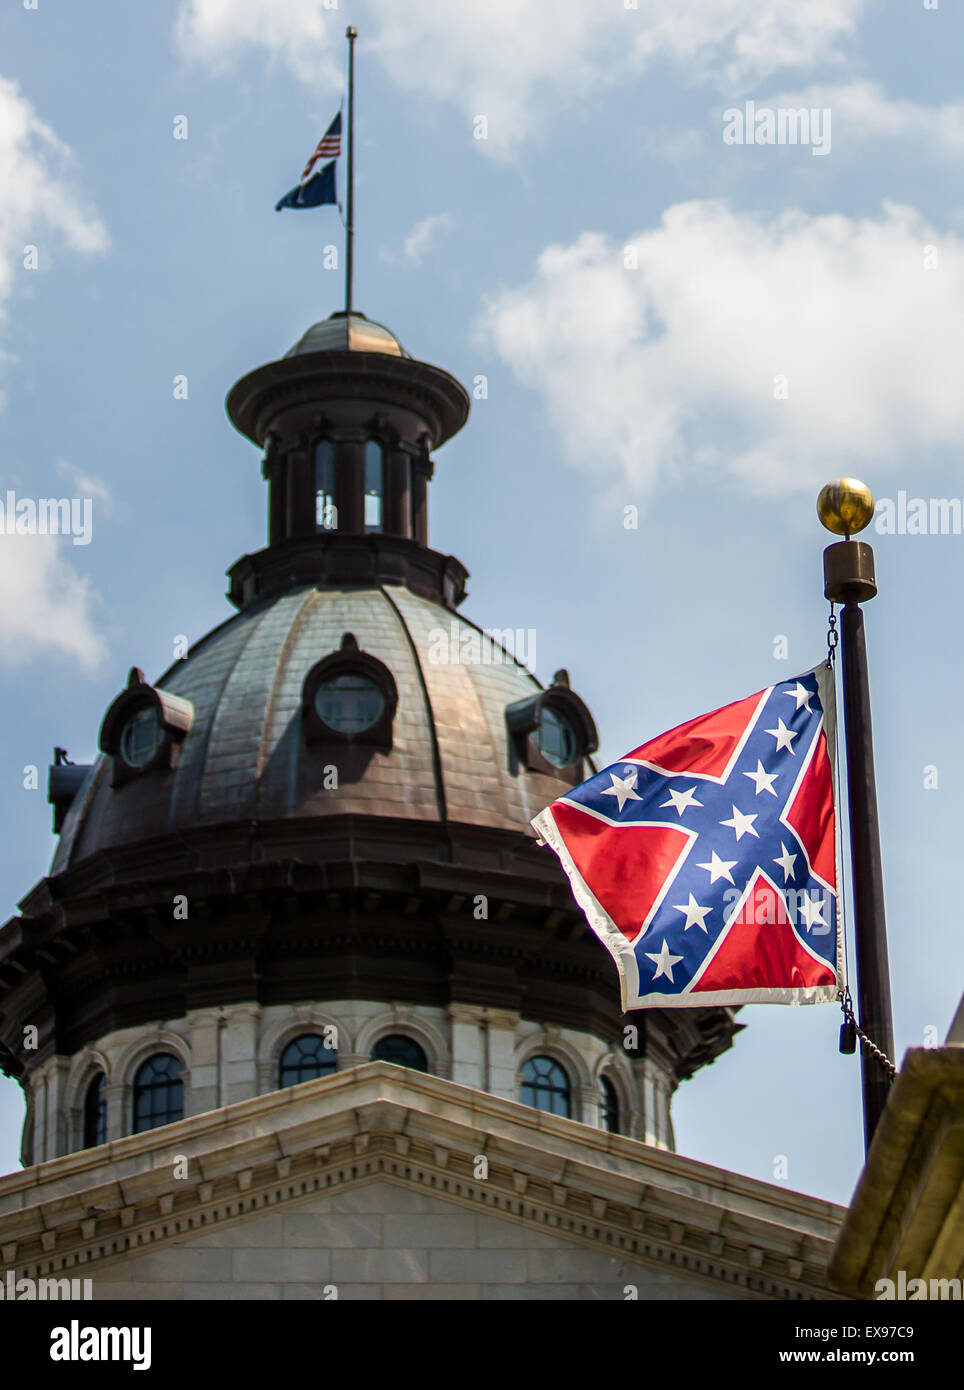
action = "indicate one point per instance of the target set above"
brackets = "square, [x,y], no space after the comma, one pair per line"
[783,736]
[763,781]
[718,868]
[802,695]
[694,914]
[622,788]
[811,910]
[664,962]
[682,801]
[786,861]
[742,824]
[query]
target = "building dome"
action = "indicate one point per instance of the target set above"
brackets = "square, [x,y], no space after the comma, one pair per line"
[246,755]
[353,332]
[310,837]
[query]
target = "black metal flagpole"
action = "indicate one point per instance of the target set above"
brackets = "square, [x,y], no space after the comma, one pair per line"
[845,507]
[351,34]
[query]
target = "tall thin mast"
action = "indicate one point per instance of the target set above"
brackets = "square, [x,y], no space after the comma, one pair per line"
[351,33]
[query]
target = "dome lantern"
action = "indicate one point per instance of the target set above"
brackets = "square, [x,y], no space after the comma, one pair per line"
[347,420]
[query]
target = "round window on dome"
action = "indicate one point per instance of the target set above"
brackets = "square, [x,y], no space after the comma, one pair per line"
[556,738]
[349,703]
[140,738]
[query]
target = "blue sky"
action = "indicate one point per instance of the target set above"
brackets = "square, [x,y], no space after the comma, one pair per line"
[704,331]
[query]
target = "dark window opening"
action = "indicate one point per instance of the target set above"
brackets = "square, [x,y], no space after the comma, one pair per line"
[139,737]
[305,1059]
[545,1086]
[556,738]
[608,1105]
[158,1093]
[349,703]
[95,1112]
[403,1051]
[374,485]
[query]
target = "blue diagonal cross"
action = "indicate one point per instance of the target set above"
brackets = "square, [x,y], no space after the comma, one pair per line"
[645,797]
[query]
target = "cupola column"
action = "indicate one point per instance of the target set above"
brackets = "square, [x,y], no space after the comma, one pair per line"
[273,471]
[350,486]
[301,492]
[421,472]
[398,521]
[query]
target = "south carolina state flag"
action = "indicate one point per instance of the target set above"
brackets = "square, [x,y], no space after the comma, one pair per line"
[706,860]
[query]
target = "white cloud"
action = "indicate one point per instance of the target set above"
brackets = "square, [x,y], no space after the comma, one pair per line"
[86,485]
[863,109]
[426,235]
[46,605]
[40,198]
[307,36]
[654,374]
[524,64]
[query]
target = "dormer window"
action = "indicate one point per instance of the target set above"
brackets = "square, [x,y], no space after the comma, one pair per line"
[349,697]
[552,732]
[144,728]
[374,485]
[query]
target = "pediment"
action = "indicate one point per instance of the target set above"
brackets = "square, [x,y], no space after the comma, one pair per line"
[633,1205]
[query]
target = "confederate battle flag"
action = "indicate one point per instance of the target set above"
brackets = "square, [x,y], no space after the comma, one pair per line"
[706,860]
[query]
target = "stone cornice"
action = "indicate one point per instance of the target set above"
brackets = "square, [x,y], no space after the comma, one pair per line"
[376,1121]
[318,378]
[907,1211]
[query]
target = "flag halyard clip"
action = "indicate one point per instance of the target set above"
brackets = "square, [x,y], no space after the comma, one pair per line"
[850,1031]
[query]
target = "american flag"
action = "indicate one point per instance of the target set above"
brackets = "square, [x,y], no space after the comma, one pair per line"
[328,147]
[706,860]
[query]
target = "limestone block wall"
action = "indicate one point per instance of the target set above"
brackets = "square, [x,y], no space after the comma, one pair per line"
[383,1241]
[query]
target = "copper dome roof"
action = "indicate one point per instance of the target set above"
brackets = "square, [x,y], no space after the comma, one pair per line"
[245,757]
[343,332]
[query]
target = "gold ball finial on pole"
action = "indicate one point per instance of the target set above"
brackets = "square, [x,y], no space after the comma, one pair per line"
[845,506]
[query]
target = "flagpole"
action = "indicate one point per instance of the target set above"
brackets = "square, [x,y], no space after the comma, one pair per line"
[351,34]
[845,507]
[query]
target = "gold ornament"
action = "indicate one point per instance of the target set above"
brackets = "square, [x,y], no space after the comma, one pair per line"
[845,506]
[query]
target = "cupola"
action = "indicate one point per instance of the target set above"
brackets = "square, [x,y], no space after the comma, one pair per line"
[348,421]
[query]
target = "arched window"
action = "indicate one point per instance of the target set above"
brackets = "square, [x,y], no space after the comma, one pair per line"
[95,1112]
[306,1058]
[158,1092]
[546,1086]
[403,1051]
[374,485]
[326,516]
[608,1105]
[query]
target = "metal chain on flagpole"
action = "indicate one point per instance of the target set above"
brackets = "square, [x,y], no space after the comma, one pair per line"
[833,637]
[846,1004]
